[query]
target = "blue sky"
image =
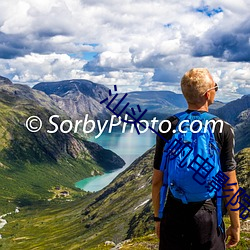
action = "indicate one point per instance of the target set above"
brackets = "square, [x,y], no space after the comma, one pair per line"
[137,45]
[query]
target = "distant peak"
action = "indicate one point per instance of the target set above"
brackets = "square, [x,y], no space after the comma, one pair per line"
[62,88]
[4,80]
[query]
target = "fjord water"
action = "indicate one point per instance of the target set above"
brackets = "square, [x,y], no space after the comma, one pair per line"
[128,146]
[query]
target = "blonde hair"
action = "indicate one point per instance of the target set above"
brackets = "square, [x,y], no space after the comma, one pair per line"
[195,83]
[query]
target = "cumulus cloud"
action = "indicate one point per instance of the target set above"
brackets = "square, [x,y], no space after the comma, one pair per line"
[35,68]
[231,45]
[140,45]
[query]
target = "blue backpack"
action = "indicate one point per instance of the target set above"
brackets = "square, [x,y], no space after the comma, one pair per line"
[190,160]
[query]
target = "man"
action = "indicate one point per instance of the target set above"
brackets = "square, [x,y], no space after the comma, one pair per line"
[194,225]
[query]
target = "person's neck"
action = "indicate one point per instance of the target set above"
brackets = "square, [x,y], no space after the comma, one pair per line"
[198,107]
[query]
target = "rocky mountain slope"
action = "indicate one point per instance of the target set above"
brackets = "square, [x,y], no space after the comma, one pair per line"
[31,163]
[231,111]
[243,169]
[77,97]
[237,113]
[242,130]
[4,80]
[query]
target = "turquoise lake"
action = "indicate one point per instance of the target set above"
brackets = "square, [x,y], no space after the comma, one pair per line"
[129,146]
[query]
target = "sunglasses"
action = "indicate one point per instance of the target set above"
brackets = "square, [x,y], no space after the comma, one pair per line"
[216,87]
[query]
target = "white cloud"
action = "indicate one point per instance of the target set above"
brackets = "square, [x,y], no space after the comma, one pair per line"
[141,44]
[35,68]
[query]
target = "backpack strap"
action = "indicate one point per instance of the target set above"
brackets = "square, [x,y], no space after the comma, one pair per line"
[164,187]
[209,116]
[219,208]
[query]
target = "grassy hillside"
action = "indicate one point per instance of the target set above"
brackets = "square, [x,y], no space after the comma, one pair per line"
[121,213]
[51,225]
[86,222]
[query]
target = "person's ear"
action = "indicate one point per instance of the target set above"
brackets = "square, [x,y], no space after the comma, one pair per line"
[207,95]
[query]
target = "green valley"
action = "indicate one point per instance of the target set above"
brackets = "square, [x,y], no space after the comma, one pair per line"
[121,213]
[32,163]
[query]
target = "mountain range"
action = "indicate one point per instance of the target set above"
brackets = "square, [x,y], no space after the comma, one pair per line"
[32,163]
[33,166]
[79,97]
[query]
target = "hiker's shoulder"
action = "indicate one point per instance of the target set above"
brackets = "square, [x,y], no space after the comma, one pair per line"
[222,129]
[225,124]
